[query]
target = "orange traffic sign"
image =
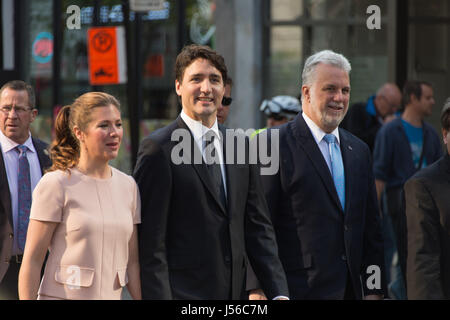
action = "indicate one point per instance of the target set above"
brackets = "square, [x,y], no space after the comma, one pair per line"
[106,51]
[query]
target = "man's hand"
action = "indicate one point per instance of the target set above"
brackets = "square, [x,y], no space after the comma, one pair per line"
[257,294]
[374,297]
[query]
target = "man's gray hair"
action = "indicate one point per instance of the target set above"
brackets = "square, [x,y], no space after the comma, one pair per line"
[327,57]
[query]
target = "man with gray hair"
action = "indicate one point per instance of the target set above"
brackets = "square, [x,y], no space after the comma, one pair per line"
[322,200]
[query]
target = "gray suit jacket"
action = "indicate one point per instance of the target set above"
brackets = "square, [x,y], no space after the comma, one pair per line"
[428,220]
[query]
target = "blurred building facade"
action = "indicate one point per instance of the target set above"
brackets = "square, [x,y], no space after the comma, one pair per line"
[265,43]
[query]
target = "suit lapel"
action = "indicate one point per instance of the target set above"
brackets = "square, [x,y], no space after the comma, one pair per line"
[445,165]
[42,153]
[200,169]
[306,141]
[5,195]
[232,177]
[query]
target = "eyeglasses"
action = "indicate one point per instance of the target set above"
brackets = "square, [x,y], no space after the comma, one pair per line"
[19,110]
[226,101]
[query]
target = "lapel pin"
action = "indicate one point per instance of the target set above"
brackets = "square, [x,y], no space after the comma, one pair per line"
[350,147]
[46,152]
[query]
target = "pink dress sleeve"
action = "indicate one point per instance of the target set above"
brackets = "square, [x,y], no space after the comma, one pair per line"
[48,198]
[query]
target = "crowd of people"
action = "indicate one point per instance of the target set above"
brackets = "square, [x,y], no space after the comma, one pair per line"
[355,210]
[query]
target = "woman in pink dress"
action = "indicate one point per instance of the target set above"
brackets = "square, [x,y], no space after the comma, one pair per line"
[84,211]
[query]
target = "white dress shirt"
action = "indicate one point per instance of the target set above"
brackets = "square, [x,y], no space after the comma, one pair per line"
[198,130]
[318,135]
[11,160]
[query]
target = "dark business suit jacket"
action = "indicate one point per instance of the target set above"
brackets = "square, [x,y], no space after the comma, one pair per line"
[190,246]
[362,124]
[6,219]
[319,241]
[428,223]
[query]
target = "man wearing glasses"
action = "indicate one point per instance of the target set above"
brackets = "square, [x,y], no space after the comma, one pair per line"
[364,119]
[23,160]
[224,108]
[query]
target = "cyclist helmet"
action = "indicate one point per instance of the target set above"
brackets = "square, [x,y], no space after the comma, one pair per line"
[281,106]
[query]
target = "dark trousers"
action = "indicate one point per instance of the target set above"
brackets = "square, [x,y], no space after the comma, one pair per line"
[349,290]
[9,285]
[395,199]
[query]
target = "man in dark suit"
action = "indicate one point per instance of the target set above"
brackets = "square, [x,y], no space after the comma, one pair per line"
[322,200]
[201,218]
[428,225]
[23,160]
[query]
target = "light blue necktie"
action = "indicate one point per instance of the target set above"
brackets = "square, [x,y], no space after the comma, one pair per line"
[24,195]
[337,167]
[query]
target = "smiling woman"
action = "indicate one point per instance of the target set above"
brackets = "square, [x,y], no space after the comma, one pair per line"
[83,208]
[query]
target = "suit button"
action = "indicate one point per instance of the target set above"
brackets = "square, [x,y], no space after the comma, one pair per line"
[345,228]
[227,259]
[11,235]
[344,257]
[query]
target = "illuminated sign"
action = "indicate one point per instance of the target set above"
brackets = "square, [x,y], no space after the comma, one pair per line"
[42,48]
[114,14]
[146,5]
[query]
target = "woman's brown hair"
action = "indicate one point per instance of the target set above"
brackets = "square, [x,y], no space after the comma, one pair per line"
[65,148]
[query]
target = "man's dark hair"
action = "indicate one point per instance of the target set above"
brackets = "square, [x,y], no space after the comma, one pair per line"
[445,115]
[413,87]
[229,82]
[19,85]
[193,52]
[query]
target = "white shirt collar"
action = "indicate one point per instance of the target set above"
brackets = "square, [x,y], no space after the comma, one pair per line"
[7,144]
[318,133]
[197,128]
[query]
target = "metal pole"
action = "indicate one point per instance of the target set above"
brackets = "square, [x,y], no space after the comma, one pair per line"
[133,84]
[57,51]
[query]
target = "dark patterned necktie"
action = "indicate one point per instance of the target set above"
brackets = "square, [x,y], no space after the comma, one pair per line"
[24,195]
[212,163]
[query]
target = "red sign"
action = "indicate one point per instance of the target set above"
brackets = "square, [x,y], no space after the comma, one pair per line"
[106,50]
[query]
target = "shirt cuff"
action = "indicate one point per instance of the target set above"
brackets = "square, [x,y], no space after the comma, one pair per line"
[280,297]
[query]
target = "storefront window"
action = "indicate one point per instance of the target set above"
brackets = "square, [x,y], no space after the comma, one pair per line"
[200,21]
[38,63]
[301,28]
[285,60]
[74,60]
[161,34]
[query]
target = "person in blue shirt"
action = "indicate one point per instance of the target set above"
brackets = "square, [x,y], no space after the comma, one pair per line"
[402,147]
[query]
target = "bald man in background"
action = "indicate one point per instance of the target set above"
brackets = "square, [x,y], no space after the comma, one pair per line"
[364,119]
